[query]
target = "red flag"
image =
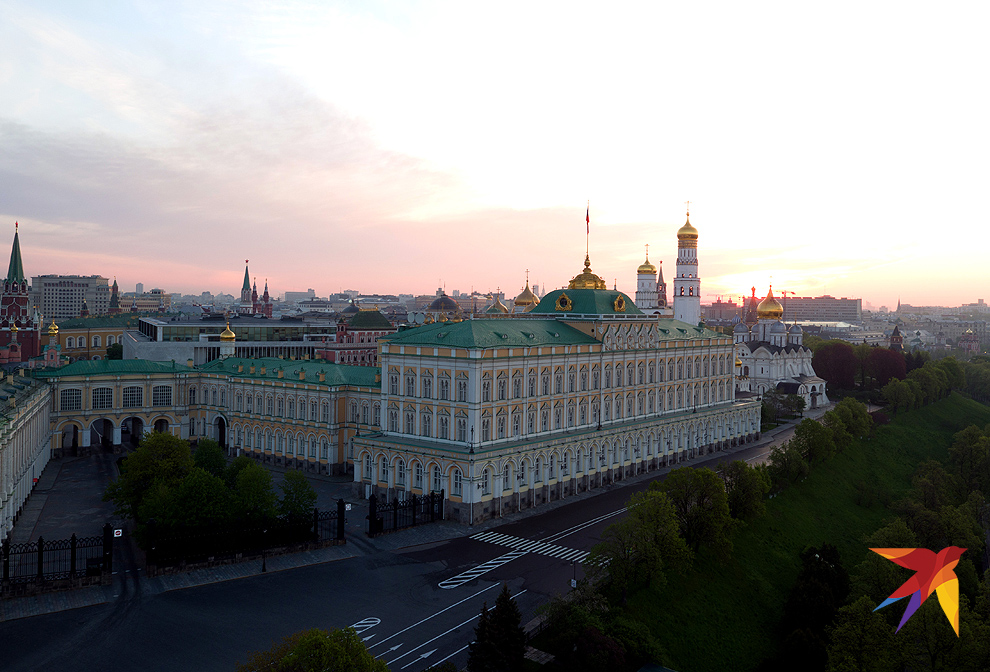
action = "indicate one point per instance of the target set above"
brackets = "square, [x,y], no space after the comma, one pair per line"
[587,219]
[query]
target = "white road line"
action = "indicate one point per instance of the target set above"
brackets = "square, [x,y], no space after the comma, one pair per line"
[429,617]
[451,655]
[389,663]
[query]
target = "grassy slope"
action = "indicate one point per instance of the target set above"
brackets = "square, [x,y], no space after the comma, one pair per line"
[725,616]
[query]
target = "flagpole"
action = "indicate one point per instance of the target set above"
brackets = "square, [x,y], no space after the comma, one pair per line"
[587,233]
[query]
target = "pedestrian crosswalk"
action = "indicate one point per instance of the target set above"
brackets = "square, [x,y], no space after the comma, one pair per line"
[530,546]
[474,573]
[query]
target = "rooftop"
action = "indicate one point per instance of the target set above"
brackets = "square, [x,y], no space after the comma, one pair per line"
[492,333]
[103,367]
[336,374]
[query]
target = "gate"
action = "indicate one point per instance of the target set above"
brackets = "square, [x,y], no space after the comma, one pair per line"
[385,517]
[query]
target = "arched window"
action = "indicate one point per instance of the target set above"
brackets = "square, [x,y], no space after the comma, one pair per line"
[223,397]
[324,449]
[280,407]
[192,396]
[458,483]
[96,341]
[70,342]
[437,484]
[312,410]
[82,341]
[110,340]
[291,408]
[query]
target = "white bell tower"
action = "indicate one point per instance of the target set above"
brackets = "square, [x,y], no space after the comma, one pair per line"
[687,283]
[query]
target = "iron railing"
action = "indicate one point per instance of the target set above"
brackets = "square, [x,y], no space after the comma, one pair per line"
[49,565]
[384,517]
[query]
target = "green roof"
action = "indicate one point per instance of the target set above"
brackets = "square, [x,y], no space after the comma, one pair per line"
[586,302]
[103,367]
[15,272]
[247,280]
[336,374]
[104,321]
[491,333]
[369,319]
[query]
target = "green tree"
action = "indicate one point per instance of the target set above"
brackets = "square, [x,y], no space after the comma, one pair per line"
[897,393]
[863,352]
[254,494]
[795,403]
[702,508]
[820,589]
[482,655]
[642,547]
[506,632]
[235,467]
[786,465]
[160,457]
[209,456]
[115,351]
[954,373]
[876,577]
[861,640]
[970,457]
[855,417]
[746,488]
[298,496]
[316,650]
[815,442]
[200,500]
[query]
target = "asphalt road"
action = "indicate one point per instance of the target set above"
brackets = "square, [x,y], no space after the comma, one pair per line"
[415,607]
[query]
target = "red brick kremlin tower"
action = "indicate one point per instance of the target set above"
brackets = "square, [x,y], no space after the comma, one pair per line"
[18,327]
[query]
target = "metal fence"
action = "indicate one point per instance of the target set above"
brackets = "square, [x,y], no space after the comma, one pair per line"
[384,517]
[41,565]
[174,546]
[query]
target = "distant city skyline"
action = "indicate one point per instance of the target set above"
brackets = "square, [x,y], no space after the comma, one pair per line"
[390,146]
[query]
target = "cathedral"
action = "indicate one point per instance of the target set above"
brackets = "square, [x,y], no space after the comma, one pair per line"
[772,356]
[651,290]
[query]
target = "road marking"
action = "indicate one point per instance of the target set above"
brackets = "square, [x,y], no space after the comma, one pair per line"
[434,615]
[443,660]
[529,546]
[366,624]
[484,568]
[422,657]
[444,633]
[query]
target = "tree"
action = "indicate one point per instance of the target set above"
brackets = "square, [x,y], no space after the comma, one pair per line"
[886,364]
[836,362]
[160,458]
[316,650]
[298,496]
[506,632]
[795,403]
[861,640]
[200,500]
[813,440]
[702,508]
[115,351]
[481,652]
[862,352]
[209,456]
[746,488]
[821,587]
[854,416]
[235,467]
[786,465]
[641,547]
[254,494]
[898,393]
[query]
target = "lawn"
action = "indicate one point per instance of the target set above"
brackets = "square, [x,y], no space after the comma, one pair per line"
[724,616]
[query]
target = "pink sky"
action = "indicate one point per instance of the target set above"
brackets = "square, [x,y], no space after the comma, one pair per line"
[391,147]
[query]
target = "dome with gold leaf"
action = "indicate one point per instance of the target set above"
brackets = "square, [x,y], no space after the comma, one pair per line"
[687,232]
[53,330]
[526,299]
[586,279]
[769,308]
[227,335]
[647,267]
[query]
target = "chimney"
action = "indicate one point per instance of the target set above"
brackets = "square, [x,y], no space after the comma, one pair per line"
[323,376]
[252,369]
[263,370]
[281,373]
[189,363]
[240,368]
[302,374]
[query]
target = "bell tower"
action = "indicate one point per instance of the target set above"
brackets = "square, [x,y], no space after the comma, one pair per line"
[687,283]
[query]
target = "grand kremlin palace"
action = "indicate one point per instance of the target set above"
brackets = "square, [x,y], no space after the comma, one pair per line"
[501,412]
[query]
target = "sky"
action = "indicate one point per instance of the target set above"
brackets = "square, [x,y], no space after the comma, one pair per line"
[837,148]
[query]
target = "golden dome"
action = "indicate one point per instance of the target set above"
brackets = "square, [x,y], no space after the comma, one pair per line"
[526,297]
[227,335]
[53,330]
[497,307]
[647,267]
[586,279]
[738,362]
[687,232]
[769,308]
